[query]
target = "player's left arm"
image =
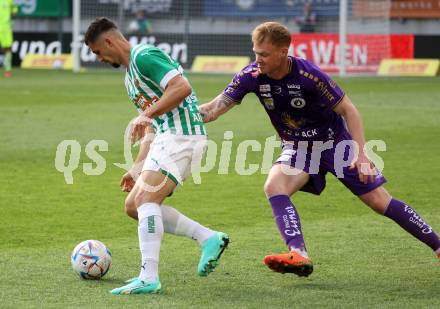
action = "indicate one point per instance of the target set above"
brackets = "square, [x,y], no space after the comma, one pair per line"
[353,118]
[177,89]
[129,178]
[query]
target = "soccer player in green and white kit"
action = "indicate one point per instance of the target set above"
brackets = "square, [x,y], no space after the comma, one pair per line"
[168,107]
[7,9]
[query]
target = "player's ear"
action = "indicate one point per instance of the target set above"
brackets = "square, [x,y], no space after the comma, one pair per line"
[108,42]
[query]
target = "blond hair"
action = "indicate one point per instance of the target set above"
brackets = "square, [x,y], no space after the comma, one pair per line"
[276,33]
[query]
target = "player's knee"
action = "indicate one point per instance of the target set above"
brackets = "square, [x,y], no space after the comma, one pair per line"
[267,188]
[144,196]
[140,198]
[130,208]
[132,213]
[377,200]
[272,188]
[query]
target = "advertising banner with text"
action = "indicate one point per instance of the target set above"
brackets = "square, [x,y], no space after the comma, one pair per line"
[43,8]
[397,8]
[364,52]
[269,8]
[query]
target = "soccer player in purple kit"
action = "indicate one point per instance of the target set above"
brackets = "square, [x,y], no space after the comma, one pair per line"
[312,116]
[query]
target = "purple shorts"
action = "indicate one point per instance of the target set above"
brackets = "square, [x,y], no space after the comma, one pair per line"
[318,158]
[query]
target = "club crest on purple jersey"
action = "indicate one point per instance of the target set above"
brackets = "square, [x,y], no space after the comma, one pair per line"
[298,102]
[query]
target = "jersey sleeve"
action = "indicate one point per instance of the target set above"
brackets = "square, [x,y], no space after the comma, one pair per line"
[327,93]
[157,66]
[240,85]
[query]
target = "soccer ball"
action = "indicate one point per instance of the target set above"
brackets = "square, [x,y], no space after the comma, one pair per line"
[91,259]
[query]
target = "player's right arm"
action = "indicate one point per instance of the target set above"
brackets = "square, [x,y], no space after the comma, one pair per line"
[242,83]
[129,178]
[217,107]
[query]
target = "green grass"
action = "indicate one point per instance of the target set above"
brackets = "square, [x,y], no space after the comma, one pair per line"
[362,260]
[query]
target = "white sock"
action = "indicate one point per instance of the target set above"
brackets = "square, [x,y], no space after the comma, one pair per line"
[150,231]
[300,251]
[176,223]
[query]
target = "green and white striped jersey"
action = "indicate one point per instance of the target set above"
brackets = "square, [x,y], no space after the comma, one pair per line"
[148,73]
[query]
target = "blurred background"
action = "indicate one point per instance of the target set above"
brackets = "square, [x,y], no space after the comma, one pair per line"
[368,31]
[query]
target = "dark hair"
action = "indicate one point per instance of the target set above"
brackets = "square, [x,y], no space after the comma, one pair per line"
[97,27]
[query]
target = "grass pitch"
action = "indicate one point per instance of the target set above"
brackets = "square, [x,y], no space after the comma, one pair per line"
[362,260]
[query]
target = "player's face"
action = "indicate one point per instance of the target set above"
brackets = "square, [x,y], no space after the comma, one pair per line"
[104,50]
[269,58]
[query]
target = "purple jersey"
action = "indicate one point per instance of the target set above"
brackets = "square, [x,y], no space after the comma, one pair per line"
[300,105]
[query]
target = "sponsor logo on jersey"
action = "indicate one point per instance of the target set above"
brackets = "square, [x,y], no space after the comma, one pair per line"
[266,95]
[278,90]
[265,88]
[269,103]
[142,102]
[322,87]
[298,102]
[229,90]
[331,134]
[235,83]
[197,117]
[293,86]
[309,76]
[307,133]
[295,93]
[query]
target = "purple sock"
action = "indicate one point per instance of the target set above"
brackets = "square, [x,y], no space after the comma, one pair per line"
[411,222]
[287,220]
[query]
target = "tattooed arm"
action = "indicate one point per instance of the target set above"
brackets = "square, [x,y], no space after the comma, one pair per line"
[217,107]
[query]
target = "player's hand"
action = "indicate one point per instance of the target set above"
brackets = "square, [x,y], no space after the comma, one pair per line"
[127,182]
[366,169]
[138,127]
[205,113]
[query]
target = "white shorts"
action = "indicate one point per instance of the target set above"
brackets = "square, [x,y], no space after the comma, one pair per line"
[175,155]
